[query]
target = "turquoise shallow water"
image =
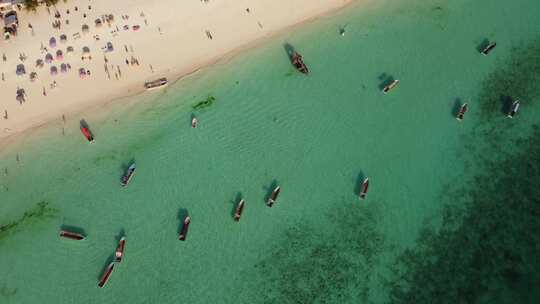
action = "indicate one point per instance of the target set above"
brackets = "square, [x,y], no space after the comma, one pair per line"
[316,136]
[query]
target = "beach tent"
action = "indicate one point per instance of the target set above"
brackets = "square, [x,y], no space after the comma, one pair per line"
[52,42]
[49,58]
[20,70]
[33,76]
[85,28]
[63,38]
[39,63]
[63,68]
[54,70]
[59,55]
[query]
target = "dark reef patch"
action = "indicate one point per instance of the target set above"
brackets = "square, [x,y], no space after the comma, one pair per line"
[40,211]
[332,263]
[517,78]
[486,250]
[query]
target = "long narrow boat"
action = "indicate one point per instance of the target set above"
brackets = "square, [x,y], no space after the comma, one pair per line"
[390,86]
[71,235]
[462,110]
[364,188]
[273,197]
[119,254]
[106,275]
[185,229]
[86,132]
[156,83]
[299,64]
[129,174]
[239,210]
[514,109]
[488,48]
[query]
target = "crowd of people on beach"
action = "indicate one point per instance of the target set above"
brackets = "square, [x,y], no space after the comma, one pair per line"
[53,53]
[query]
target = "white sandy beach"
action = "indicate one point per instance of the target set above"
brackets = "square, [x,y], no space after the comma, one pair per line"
[171,41]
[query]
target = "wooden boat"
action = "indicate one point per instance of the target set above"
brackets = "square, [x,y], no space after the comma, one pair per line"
[273,197]
[194,122]
[462,110]
[488,48]
[86,132]
[156,83]
[390,86]
[106,275]
[513,109]
[299,64]
[71,235]
[129,174]
[185,229]
[239,210]
[364,188]
[119,254]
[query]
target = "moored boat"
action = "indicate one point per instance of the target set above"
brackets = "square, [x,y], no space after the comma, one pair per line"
[106,275]
[71,235]
[462,110]
[514,109]
[119,254]
[185,229]
[194,122]
[239,210]
[86,132]
[129,174]
[364,188]
[488,48]
[299,64]
[390,86]
[155,83]
[273,197]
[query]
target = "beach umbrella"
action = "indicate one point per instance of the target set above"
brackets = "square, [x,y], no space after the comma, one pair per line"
[39,63]
[69,50]
[63,68]
[110,18]
[82,73]
[52,42]
[20,70]
[85,28]
[63,38]
[33,76]
[59,55]
[98,22]
[54,70]
[49,58]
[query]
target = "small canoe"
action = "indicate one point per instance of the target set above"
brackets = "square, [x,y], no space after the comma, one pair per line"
[364,188]
[106,275]
[185,229]
[71,235]
[462,110]
[86,132]
[514,109]
[156,83]
[273,197]
[239,210]
[390,86]
[488,48]
[119,254]
[129,174]
[299,64]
